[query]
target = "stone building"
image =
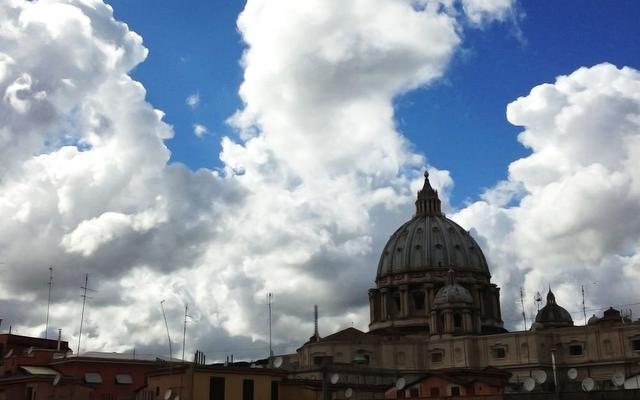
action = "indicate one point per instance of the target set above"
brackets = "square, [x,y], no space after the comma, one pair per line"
[434,308]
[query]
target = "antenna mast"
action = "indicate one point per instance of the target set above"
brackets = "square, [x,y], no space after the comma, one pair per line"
[315,321]
[269,301]
[184,331]
[524,316]
[166,325]
[84,301]
[584,309]
[46,324]
[538,300]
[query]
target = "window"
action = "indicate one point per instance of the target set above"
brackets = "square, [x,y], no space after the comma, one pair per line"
[635,343]
[396,302]
[499,352]
[435,392]
[247,389]
[274,390]
[457,321]
[92,377]
[413,392]
[216,388]
[455,390]
[400,358]
[124,379]
[575,349]
[418,301]
[436,357]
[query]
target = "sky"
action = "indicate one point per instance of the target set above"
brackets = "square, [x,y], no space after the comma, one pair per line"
[210,153]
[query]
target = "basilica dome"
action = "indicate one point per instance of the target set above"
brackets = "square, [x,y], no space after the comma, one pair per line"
[430,241]
[413,294]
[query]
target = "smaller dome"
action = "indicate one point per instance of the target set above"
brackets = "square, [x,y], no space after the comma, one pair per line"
[552,315]
[593,320]
[452,293]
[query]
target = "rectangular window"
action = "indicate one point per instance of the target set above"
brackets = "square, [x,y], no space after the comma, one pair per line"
[124,379]
[247,389]
[575,349]
[436,357]
[216,388]
[418,300]
[92,377]
[635,344]
[455,390]
[435,392]
[275,386]
[499,352]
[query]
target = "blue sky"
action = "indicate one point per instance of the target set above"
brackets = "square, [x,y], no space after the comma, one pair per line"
[458,122]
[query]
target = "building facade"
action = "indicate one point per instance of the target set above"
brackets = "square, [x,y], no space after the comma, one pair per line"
[434,308]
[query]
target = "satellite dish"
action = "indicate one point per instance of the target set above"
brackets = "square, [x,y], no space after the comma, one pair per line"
[529,384]
[348,393]
[253,365]
[540,376]
[335,378]
[56,380]
[167,394]
[618,379]
[9,354]
[400,383]
[588,384]
[177,397]
[572,373]
[30,350]
[277,362]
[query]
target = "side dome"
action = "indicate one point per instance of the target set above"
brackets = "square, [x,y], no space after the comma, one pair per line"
[430,241]
[452,293]
[552,315]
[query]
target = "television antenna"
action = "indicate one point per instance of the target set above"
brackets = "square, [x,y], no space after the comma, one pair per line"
[166,325]
[269,296]
[538,299]
[584,308]
[524,316]
[84,301]
[46,324]
[184,330]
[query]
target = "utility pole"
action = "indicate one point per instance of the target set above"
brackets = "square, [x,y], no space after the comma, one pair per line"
[46,324]
[84,301]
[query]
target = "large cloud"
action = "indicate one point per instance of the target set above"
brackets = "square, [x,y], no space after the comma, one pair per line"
[566,217]
[316,181]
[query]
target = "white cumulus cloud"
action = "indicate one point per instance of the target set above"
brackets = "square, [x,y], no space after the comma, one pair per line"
[575,197]
[309,190]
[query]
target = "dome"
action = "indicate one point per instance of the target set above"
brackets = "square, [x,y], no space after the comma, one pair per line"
[552,315]
[452,293]
[430,241]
